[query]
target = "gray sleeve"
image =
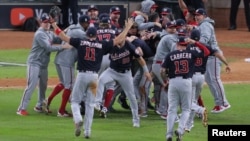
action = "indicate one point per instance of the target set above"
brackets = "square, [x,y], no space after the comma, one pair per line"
[43,41]
[206,32]
[141,23]
[77,33]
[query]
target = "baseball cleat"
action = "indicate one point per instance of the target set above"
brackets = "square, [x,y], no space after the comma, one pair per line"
[38,109]
[179,136]
[169,139]
[227,106]
[45,107]
[218,109]
[65,114]
[78,128]
[22,112]
[136,125]
[97,107]
[188,129]
[103,112]
[86,135]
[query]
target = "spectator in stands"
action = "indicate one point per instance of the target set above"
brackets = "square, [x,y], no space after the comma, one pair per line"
[233,13]
[73,6]
[196,3]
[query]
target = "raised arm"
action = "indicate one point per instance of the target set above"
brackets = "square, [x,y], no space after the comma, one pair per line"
[120,39]
[60,33]
[182,5]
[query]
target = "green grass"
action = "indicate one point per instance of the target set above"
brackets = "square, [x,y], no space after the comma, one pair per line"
[118,125]
[238,45]
[20,56]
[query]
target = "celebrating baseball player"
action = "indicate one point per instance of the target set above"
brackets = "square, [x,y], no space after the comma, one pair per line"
[198,80]
[65,66]
[90,53]
[37,70]
[179,66]
[212,74]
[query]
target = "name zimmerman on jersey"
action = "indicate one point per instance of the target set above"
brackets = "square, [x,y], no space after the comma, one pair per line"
[91,44]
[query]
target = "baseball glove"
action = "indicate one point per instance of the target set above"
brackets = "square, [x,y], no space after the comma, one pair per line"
[55,12]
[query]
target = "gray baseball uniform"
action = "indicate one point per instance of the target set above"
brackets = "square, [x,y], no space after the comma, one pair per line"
[65,66]
[165,46]
[179,65]
[37,70]
[120,71]
[213,69]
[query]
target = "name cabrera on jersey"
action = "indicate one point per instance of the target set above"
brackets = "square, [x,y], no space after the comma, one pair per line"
[90,53]
[181,63]
[121,57]
[201,61]
[105,34]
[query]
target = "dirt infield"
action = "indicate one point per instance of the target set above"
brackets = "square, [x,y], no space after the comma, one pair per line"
[240,68]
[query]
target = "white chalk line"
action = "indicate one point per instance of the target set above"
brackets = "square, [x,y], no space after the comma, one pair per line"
[12,64]
[52,86]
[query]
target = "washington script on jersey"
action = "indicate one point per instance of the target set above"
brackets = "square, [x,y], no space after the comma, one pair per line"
[91,44]
[180,56]
[117,56]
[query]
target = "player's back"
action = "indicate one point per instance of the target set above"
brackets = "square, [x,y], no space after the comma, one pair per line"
[68,57]
[180,63]
[165,46]
[105,34]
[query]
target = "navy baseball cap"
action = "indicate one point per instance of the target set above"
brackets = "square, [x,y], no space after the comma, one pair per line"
[180,22]
[166,10]
[45,19]
[182,41]
[92,7]
[103,15]
[105,20]
[115,10]
[171,24]
[84,19]
[200,11]
[195,34]
[182,32]
[91,32]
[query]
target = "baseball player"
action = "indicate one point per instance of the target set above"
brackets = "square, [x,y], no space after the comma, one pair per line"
[65,66]
[147,7]
[148,45]
[93,13]
[141,83]
[165,46]
[166,16]
[212,75]
[120,71]
[37,70]
[189,14]
[198,80]
[179,66]
[105,32]
[90,53]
